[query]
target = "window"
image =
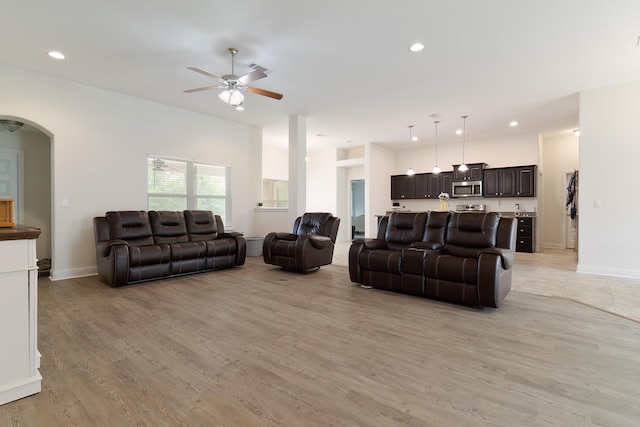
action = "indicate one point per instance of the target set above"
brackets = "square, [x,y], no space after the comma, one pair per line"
[275,193]
[175,185]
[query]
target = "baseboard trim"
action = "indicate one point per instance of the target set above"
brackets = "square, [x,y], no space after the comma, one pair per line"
[629,274]
[73,273]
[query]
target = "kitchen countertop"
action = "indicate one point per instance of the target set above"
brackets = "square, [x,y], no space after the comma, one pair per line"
[19,232]
[512,214]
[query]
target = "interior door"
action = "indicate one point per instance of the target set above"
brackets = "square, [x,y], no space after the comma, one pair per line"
[9,179]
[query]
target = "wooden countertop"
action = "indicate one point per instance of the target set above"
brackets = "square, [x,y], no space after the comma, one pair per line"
[19,232]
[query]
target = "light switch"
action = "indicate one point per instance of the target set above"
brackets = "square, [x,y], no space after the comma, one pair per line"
[597,203]
[65,203]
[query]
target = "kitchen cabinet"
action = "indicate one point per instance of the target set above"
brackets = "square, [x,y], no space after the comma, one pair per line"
[500,182]
[526,181]
[510,182]
[430,185]
[473,174]
[403,187]
[525,238]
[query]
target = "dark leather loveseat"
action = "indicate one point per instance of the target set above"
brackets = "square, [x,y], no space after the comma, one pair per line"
[464,258]
[134,246]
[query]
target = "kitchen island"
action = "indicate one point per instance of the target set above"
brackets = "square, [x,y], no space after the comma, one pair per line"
[19,375]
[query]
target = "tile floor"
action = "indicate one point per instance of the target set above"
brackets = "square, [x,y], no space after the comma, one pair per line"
[552,272]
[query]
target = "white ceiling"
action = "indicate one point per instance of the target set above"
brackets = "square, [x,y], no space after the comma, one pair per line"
[343,64]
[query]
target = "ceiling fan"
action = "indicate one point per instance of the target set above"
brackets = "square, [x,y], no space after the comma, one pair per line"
[234,85]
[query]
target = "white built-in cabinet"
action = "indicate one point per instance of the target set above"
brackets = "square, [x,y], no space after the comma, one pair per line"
[19,357]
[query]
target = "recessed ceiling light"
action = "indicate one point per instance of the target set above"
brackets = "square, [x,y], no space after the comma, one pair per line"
[459,132]
[576,132]
[240,108]
[514,124]
[55,54]
[416,47]
[414,138]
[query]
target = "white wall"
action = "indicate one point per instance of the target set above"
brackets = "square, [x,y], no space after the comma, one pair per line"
[378,169]
[608,208]
[560,154]
[275,163]
[101,140]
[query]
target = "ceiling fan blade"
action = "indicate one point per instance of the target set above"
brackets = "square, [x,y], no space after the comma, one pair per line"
[252,77]
[205,73]
[263,92]
[198,89]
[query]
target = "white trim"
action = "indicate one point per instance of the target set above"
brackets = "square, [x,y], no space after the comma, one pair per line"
[73,273]
[600,271]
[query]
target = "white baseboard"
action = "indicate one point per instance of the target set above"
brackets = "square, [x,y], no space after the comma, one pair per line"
[630,274]
[73,273]
[553,246]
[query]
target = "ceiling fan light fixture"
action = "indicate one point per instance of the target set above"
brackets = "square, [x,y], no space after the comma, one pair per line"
[233,97]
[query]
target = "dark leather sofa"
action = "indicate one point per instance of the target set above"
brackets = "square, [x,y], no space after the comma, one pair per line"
[309,245]
[135,246]
[463,258]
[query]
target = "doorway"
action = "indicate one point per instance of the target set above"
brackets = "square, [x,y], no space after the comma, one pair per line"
[26,156]
[358,218]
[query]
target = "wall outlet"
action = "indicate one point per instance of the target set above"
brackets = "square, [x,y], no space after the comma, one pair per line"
[65,203]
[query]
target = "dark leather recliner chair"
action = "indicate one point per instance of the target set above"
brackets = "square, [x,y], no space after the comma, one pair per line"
[309,245]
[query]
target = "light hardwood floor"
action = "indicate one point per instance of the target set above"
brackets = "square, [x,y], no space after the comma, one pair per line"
[255,346]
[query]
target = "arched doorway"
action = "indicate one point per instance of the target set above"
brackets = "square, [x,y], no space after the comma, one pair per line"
[25,156]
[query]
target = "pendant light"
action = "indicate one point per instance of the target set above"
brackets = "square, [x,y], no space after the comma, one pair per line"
[436,169]
[410,171]
[463,167]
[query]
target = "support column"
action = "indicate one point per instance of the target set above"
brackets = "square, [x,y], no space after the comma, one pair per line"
[297,166]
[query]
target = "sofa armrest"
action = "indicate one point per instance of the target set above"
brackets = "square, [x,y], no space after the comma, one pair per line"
[507,256]
[373,244]
[318,242]
[286,236]
[112,257]
[229,235]
[105,247]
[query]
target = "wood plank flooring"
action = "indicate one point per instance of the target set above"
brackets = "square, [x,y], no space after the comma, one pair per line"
[257,346]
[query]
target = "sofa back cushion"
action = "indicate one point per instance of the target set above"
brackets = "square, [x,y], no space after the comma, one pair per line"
[436,227]
[313,223]
[202,225]
[473,230]
[131,226]
[405,227]
[168,227]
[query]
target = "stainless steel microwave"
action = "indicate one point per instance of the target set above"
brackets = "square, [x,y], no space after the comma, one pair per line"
[466,189]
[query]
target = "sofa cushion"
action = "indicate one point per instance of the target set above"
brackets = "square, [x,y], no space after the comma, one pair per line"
[201,225]
[168,227]
[473,230]
[130,226]
[436,227]
[140,256]
[381,260]
[452,269]
[405,227]
[313,223]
